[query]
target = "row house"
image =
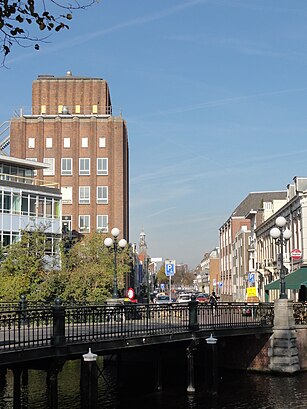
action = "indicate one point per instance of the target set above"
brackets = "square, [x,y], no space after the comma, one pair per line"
[236,240]
[266,252]
[208,272]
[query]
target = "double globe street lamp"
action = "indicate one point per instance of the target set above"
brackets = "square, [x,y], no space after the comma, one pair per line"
[115,245]
[281,234]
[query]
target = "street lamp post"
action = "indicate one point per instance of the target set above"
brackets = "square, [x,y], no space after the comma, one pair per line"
[116,244]
[281,234]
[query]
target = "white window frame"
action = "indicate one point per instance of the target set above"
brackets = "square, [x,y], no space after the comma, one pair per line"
[84,142]
[84,194]
[84,171]
[102,170]
[49,171]
[86,217]
[66,142]
[66,172]
[31,143]
[48,143]
[100,198]
[103,228]
[66,194]
[102,142]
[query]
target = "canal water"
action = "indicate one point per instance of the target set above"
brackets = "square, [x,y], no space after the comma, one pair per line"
[237,390]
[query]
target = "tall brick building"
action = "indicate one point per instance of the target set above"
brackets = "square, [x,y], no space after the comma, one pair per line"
[72,128]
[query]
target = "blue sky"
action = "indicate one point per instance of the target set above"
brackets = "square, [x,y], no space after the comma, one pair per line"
[214,94]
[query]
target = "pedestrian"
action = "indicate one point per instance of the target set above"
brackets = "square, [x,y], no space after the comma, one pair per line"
[302,294]
[213,301]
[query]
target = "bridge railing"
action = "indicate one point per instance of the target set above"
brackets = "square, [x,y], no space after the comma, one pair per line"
[232,315]
[102,322]
[20,329]
[30,327]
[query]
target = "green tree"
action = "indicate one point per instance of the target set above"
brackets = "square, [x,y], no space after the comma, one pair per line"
[23,22]
[161,277]
[90,269]
[21,270]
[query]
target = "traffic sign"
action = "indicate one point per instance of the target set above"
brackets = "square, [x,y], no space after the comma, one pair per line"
[170,267]
[296,254]
[130,293]
[251,277]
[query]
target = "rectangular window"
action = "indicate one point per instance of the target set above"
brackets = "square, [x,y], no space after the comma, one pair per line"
[94,109]
[43,109]
[34,171]
[32,205]
[66,166]
[84,224]
[41,207]
[102,142]
[49,171]
[31,143]
[56,208]
[102,194]
[60,108]
[84,194]
[66,142]
[48,208]
[25,204]
[48,142]
[84,142]
[16,208]
[7,200]
[102,223]
[84,166]
[66,194]
[77,109]
[102,166]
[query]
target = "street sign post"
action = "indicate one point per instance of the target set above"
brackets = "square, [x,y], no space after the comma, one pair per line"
[296,254]
[251,277]
[170,269]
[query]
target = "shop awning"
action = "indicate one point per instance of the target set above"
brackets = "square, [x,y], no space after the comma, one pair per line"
[293,280]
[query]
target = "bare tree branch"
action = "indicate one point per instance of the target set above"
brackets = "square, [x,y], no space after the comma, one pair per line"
[23,21]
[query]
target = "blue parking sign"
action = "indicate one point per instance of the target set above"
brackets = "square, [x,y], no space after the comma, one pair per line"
[170,267]
[251,277]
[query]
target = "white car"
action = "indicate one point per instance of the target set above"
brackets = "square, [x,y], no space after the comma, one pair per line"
[184,298]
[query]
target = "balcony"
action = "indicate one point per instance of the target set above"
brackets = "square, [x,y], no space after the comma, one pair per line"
[28,180]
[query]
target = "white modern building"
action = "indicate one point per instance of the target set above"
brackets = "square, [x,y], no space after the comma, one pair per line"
[27,203]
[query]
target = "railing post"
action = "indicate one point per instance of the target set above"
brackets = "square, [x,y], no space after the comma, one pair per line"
[22,308]
[58,337]
[193,321]
[89,381]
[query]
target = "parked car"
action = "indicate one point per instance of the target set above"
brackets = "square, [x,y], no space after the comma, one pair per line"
[202,297]
[184,298]
[162,299]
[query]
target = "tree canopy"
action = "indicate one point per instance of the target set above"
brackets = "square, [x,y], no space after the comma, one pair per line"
[29,22]
[86,272]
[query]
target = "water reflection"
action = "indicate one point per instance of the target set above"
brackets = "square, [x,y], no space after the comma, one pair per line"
[237,390]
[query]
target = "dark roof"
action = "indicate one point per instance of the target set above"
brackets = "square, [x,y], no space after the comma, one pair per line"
[254,201]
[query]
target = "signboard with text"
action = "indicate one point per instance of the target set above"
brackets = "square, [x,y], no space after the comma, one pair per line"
[296,254]
[170,267]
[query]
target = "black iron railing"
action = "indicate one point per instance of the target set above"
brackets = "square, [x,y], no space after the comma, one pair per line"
[26,326]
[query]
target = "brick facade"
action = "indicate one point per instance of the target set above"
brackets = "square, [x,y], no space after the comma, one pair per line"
[71,119]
